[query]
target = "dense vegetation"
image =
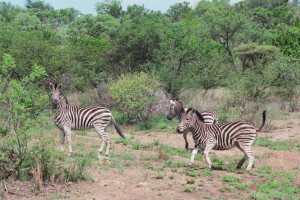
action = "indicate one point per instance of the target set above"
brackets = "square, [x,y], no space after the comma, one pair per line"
[122,56]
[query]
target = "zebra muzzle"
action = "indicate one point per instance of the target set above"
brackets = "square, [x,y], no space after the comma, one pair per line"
[179,130]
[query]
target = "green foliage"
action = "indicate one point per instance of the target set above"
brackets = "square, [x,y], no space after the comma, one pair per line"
[251,48]
[190,180]
[189,189]
[251,53]
[7,66]
[159,176]
[111,7]
[134,95]
[277,145]
[28,21]
[234,181]
[23,101]
[277,184]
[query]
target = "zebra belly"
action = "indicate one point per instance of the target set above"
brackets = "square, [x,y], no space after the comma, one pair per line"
[219,147]
[80,128]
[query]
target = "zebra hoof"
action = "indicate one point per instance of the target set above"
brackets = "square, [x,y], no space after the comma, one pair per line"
[190,165]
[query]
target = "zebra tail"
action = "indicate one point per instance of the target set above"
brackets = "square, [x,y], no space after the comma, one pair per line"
[118,128]
[264,114]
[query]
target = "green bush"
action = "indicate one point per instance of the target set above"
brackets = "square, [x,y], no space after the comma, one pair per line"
[25,145]
[134,95]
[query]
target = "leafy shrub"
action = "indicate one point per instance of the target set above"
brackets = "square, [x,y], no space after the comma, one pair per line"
[134,95]
[26,151]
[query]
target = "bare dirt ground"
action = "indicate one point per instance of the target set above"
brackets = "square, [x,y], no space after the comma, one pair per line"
[135,181]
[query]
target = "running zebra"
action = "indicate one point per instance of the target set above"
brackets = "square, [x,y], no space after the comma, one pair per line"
[71,117]
[219,137]
[176,110]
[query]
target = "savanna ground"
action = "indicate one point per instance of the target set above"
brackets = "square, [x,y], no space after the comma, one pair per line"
[152,165]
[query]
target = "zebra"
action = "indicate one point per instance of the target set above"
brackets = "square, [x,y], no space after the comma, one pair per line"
[71,117]
[176,110]
[219,136]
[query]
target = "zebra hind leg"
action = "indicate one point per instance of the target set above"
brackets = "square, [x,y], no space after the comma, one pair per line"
[105,142]
[242,161]
[246,149]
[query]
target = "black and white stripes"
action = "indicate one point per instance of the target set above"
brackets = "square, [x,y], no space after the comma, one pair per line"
[219,137]
[176,110]
[71,117]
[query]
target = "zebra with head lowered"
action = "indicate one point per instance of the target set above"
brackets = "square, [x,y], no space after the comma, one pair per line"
[176,110]
[219,136]
[71,117]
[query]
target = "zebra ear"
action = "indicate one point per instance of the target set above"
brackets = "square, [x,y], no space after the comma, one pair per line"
[51,86]
[171,101]
[59,86]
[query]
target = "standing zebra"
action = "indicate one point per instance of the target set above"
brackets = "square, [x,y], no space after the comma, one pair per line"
[219,137]
[71,117]
[176,110]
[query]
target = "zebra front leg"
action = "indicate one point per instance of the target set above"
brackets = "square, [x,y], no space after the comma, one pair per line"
[186,141]
[194,152]
[68,134]
[62,139]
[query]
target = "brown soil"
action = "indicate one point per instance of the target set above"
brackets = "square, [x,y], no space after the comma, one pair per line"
[135,181]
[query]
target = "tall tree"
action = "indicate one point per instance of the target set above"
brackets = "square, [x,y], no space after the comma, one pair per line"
[111,7]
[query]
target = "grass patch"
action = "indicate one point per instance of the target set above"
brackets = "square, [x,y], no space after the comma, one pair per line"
[121,161]
[158,124]
[191,172]
[190,180]
[159,176]
[276,185]
[206,172]
[189,189]
[234,181]
[174,164]
[123,141]
[286,145]
[81,133]
[136,145]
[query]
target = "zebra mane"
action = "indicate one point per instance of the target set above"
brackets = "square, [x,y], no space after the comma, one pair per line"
[178,101]
[65,98]
[198,114]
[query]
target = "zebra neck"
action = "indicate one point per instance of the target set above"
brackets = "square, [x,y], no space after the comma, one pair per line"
[197,126]
[61,107]
[179,114]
